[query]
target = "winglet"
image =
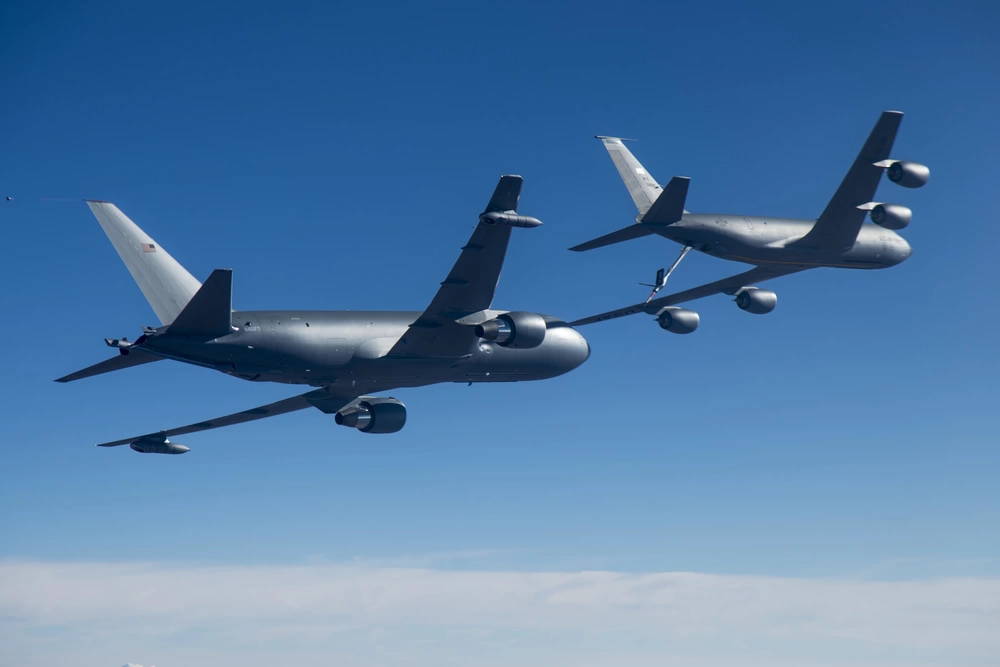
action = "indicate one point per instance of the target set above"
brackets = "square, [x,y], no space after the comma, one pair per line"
[209,313]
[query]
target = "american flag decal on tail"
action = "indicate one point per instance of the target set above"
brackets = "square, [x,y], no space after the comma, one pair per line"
[149,247]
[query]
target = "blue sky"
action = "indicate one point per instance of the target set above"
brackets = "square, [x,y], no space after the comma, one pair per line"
[336,157]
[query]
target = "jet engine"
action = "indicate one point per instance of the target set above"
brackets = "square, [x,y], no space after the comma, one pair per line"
[515,329]
[909,174]
[678,320]
[891,216]
[756,300]
[374,415]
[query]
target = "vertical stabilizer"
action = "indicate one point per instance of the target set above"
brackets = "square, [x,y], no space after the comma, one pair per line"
[640,184]
[166,284]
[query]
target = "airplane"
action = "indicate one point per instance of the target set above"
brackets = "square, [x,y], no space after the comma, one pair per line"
[346,355]
[775,246]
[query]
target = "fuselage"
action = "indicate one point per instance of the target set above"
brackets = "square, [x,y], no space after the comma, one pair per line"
[350,350]
[767,240]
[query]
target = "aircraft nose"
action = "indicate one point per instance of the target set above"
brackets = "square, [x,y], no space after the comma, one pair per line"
[903,249]
[571,348]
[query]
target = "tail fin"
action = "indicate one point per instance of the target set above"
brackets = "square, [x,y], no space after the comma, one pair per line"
[166,284]
[639,182]
[666,209]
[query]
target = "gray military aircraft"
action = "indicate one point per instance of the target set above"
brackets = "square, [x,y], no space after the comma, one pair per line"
[347,355]
[776,246]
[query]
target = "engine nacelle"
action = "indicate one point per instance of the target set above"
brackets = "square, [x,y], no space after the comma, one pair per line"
[515,329]
[909,174]
[891,216]
[374,415]
[678,320]
[756,300]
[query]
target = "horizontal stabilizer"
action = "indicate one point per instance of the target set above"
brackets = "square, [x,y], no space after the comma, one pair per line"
[669,206]
[633,231]
[209,314]
[135,357]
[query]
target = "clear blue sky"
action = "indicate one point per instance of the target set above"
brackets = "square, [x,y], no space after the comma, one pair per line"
[336,157]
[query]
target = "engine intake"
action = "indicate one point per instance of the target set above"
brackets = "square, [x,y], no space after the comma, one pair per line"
[891,216]
[515,329]
[756,300]
[909,174]
[678,320]
[374,415]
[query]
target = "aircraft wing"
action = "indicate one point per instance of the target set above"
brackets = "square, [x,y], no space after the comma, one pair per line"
[838,226]
[469,286]
[322,399]
[726,286]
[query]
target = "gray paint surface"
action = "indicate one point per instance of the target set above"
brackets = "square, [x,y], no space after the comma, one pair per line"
[345,355]
[838,238]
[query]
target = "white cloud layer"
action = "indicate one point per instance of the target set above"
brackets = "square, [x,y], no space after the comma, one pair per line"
[99,613]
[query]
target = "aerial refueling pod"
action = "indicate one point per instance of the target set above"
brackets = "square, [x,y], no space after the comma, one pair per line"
[157,444]
[509,218]
[891,216]
[374,415]
[907,174]
[678,320]
[756,300]
[514,329]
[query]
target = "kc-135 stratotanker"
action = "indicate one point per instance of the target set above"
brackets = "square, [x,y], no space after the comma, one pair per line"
[775,246]
[346,355]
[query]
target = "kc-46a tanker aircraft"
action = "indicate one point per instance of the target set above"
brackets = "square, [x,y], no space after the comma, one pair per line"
[776,246]
[346,355]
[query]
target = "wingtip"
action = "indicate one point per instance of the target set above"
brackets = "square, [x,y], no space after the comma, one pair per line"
[893,112]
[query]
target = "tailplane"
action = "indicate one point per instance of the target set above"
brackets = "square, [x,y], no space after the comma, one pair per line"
[209,313]
[134,357]
[166,284]
[666,209]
